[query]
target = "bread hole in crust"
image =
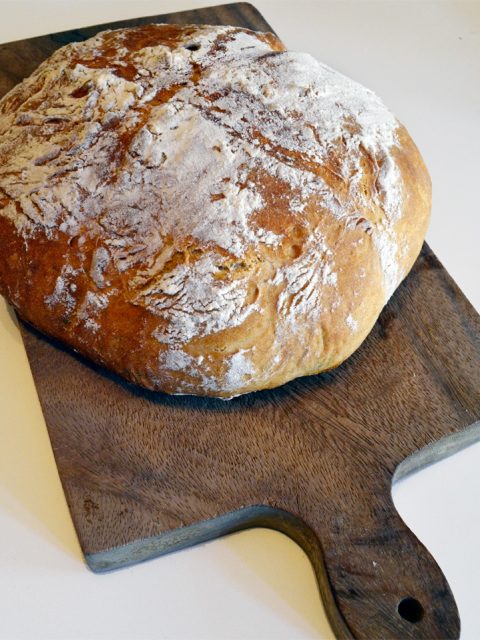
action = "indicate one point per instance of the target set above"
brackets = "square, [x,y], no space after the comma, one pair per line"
[4,198]
[233,269]
[55,120]
[192,47]
[298,233]
[254,295]
[364,225]
[294,250]
[235,266]
[81,92]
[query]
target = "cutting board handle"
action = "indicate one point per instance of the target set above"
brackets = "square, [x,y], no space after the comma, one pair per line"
[376,576]
[373,573]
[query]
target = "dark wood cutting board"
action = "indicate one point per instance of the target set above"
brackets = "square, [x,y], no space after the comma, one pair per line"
[145,473]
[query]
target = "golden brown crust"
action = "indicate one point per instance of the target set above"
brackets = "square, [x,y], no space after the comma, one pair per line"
[202,212]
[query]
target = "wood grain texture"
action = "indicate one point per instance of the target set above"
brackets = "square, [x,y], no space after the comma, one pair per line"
[145,473]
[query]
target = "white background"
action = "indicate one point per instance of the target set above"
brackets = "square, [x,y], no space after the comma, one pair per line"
[423,58]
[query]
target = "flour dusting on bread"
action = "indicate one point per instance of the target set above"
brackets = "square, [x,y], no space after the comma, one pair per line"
[211,180]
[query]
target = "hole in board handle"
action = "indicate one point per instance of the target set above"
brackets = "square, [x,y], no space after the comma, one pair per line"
[411,610]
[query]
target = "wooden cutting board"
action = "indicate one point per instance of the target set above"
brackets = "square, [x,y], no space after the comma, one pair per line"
[145,474]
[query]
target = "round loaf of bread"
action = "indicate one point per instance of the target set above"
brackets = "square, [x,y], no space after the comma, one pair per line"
[201,211]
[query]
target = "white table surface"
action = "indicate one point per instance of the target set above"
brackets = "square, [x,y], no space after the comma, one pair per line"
[423,58]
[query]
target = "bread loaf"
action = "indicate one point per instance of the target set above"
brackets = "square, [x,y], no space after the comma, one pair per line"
[201,211]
